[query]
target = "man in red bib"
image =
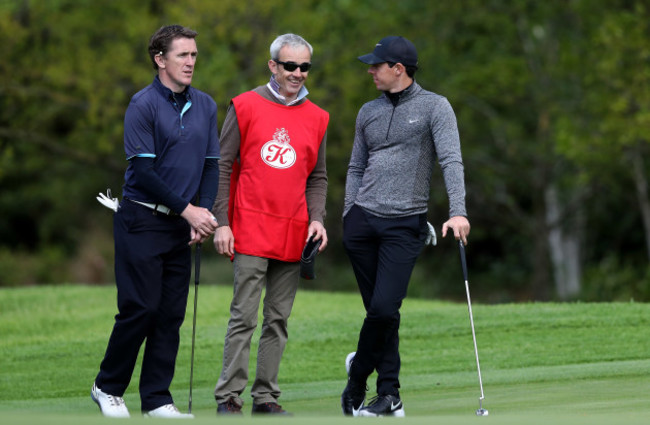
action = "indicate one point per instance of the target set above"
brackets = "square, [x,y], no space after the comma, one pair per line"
[271,199]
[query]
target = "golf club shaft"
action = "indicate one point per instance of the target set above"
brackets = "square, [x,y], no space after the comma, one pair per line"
[463,262]
[197,272]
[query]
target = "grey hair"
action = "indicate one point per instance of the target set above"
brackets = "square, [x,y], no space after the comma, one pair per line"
[291,40]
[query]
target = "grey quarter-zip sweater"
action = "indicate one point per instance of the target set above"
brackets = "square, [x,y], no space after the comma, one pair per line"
[396,144]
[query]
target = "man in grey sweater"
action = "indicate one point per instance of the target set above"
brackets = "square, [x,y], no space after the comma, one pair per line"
[397,140]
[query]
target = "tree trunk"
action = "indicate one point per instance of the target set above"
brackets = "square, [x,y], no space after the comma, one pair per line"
[541,280]
[564,246]
[641,183]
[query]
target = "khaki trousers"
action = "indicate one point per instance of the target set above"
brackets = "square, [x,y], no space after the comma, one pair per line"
[251,275]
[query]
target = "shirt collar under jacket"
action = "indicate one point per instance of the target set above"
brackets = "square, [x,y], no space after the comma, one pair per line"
[166,92]
[275,89]
[394,98]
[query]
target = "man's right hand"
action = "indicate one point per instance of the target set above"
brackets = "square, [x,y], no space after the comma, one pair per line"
[224,241]
[202,222]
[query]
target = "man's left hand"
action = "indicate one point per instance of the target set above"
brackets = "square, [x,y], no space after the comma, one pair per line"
[316,228]
[459,225]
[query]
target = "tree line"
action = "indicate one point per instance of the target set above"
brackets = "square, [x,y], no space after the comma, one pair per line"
[552,100]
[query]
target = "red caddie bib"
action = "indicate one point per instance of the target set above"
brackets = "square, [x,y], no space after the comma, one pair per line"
[278,151]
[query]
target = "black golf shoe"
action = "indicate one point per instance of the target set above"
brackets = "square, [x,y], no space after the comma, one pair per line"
[352,398]
[354,393]
[384,405]
[268,409]
[229,407]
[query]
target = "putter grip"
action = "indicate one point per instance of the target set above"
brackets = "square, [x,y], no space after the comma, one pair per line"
[197,263]
[463,261]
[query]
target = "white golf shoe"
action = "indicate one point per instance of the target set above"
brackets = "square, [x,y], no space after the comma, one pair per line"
[169,411]
[110,405]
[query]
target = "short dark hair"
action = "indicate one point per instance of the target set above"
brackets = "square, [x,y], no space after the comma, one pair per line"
[410,69]
[161,40]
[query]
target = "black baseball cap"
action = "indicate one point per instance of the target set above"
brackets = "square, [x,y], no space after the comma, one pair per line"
[392,49]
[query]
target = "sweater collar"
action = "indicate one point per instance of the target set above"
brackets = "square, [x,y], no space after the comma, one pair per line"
[403,95]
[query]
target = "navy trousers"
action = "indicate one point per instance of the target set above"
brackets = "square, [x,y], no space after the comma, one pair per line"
[152,272]
[383,252]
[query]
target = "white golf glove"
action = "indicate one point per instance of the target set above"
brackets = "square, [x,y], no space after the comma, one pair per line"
[108,201]
[431,237]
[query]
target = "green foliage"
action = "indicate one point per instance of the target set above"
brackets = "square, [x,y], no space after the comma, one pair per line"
[21,268]
[616,280]
[548,95]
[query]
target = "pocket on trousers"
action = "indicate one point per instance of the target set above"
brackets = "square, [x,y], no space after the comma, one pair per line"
[424,229]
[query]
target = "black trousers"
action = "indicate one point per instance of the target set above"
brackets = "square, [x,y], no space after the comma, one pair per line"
[152,272]
[383,252]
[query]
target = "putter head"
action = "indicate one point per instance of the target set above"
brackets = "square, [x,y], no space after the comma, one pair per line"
[482,412]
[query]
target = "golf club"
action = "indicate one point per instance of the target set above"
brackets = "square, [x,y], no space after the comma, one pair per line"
[481,411]
[197,272]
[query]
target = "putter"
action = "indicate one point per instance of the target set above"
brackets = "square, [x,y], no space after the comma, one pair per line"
[481,411]
[197,272]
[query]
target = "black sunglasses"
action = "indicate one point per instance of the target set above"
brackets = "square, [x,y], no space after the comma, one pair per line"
[291,66]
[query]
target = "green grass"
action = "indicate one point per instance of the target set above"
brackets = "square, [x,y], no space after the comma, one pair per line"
[541,362]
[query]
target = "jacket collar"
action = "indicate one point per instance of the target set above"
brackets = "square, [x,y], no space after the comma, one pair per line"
[166,92]
[404,95]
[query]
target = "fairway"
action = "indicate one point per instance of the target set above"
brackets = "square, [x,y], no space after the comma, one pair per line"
[542,363]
